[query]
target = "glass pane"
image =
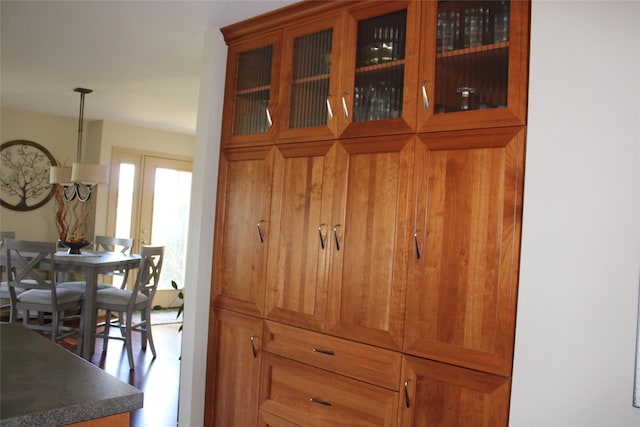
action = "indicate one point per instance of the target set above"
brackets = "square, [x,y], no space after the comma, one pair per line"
[171,197]
[379,80]
[472,61]
[124,206]
[310,85]
[252,91]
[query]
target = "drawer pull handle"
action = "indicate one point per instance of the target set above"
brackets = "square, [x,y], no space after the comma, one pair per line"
[320,227]
[335,236]
[320,401]
[425,97]
[319,350]
[415,240]
[407,400]
[329,109]
[260,233]
[253,347]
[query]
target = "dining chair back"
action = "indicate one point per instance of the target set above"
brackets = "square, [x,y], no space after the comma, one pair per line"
[4,286]
[32,288]
[123,245]
[127,302]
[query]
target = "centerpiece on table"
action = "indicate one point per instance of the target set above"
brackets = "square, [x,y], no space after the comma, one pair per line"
[71,222]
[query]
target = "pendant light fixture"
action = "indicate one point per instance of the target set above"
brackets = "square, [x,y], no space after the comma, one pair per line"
[78,180]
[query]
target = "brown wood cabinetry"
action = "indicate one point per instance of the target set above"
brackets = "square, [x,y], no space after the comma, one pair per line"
[464,275]
[368,216]
[437,394]
[242,221]
[233,369]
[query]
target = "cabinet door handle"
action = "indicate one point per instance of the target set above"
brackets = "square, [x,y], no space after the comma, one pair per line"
[268,113]
[321,236]
[335,236]
[327,352]
[415,240]
[260,233]
[253,347]
[329,109]
[425,97]
[407,400]
[345,109]
[320,401]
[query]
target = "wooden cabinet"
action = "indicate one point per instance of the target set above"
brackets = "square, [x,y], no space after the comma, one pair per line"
[250,100]
[368,214]
[242,222]
[473,64]
[308,396]
[366,291]
[437,394]
[337,250]
[464,273]
[233,369]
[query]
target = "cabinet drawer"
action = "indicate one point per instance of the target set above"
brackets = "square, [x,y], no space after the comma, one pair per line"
[360,361]
[309,396]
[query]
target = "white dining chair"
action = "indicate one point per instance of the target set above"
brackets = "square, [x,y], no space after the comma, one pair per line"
[4,286]
[127,302]
[32,289]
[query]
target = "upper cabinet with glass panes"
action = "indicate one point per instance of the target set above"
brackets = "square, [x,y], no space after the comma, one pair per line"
[372,68]
[251,91]
[473,64]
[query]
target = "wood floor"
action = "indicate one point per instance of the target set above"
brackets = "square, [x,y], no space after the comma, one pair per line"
[158,378]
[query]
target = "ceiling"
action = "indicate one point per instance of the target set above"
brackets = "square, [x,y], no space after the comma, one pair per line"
[142,58]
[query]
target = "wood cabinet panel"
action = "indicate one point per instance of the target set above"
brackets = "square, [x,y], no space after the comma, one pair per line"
[463,286]
[240,246]
[299,245]
[442,395]
[483,63]
[367,286]
[359,361]
[233,369]
[309,396]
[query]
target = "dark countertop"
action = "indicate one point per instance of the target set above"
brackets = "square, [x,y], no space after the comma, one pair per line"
[42,384]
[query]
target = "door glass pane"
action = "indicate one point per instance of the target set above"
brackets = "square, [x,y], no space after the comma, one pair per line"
[379,79]
[310,83]
[124,207]
[253,91]
[472,60]
[172,192]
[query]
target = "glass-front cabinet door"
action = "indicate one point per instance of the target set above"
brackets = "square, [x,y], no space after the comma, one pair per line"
[380,66]
[473,64]
[250,99]
[310,94]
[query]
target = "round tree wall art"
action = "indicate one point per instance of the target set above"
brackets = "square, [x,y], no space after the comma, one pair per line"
[24,175]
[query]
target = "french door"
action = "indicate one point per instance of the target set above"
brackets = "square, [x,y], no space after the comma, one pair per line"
[149,198]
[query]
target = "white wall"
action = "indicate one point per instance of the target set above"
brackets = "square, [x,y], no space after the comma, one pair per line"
[59,135]
[580,264]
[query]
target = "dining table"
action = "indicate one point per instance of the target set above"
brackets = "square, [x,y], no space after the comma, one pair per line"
[91,264]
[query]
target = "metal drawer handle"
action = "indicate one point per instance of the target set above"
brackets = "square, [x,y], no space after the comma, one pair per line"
[425,97]
[335,236]
[329,109]
[268,114]
[253,347]
[407,400]
[260,234]
[345,109]
[320,227]
[415,240]
[320,401]
[319,350]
